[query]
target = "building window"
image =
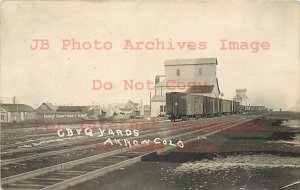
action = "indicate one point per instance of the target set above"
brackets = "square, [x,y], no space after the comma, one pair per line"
[161,109]
[178,72]
[200,71]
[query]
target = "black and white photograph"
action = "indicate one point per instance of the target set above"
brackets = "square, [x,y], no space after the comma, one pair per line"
[149,95]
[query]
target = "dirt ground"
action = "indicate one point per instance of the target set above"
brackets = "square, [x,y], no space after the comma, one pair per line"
[181,176]
[266,157]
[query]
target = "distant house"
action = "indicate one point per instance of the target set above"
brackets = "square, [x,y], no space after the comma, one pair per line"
[94,111]
[130,108]
[131,104]
[46,111]
[16,112]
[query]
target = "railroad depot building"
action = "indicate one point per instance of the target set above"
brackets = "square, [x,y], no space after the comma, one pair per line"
[185,75]
[49,111]
[16,112]
[46,111]
[72,112]
[78,111]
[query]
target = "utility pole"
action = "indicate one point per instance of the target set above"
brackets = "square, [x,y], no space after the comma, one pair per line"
[14,100]
[150,104]
[17,111]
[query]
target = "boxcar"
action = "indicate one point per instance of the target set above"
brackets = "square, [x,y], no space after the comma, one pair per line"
[192,106]
[184,105]
[261,108]
[220,106]
[226,107]
[257,108]
[197,108]
[172,102]
[208,106]
[216,106]
[234,107]
[253,108]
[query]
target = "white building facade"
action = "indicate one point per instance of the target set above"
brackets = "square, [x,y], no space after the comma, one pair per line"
[180,76]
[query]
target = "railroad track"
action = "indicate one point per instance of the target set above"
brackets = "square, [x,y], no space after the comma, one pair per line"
[71,173]
[37,148]
[32,136]
[21,161]
[57,145]
[35,138]
[187,127]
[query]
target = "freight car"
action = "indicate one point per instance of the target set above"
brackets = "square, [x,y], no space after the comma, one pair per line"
[216,107]
[255,108]
[185,105]
[208,106]
[181,105]
[235,107]
[226,106]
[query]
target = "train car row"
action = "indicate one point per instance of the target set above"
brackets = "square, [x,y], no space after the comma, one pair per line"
[180,105]
[255,108]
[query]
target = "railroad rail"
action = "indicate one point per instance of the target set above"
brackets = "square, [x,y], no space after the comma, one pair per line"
[15,163]
[45,135]
[35,138]
[51,146]
[68,174]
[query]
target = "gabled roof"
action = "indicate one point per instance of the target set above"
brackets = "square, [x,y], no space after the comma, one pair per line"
[146,107]
[17,107]
[197,61]
[46,108]
[72,108]
[132,103]
[51,106]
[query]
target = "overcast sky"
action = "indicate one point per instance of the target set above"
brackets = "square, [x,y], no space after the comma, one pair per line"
[65,76]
